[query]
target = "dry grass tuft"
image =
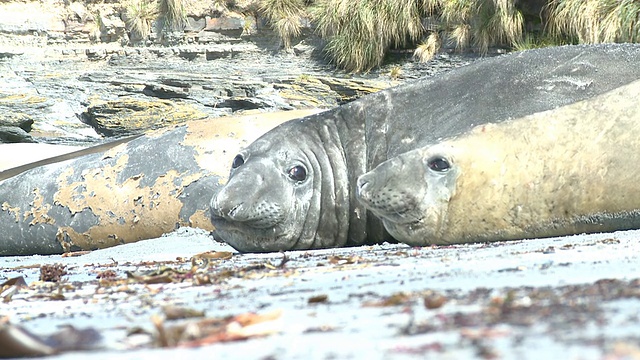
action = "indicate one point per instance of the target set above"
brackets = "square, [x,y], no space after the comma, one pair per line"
[428,48]
[139,14]
[286,18]
[172,15]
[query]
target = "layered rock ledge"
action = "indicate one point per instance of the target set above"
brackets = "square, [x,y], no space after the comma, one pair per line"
[64,79]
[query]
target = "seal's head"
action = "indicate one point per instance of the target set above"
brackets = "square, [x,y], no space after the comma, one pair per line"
[287,190]
[411,193]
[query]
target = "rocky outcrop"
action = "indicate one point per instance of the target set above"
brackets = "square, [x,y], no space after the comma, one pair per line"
[129,116]
[71,74]
[134,90]
[15,127]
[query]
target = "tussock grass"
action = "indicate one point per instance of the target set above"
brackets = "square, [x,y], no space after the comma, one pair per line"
[359,32]
[139,14]
[171,15]
[481,23]
[285,17]
[595,21]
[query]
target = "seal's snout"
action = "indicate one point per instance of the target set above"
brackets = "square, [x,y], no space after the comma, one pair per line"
[233,205]
[363,183]
[221,206]
[383,195]
[228,207]
[233,213]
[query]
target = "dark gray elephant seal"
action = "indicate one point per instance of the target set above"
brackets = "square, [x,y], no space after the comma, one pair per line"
[294,188]
[125,191]
[566,171]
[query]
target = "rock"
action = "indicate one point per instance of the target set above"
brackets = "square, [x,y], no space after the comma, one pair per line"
[8,53]
[70,100]
[129,116]
[351,89]
[236,104]
[96,54]
[232,21]
[16,119]
[303,48]
[229,51]
[191,54]
[38,17]
[208,37]
[225,63]
[166,92]
[306,90]
[112,28]
[12,134]
[15,123]
[194,24]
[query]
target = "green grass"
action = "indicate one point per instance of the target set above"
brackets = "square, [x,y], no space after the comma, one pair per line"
[170,15]
[536,41]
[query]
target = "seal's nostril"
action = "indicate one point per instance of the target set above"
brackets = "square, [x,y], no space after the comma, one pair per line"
[362,182]
[234,211]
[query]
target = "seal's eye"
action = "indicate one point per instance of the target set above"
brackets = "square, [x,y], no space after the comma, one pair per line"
[298,173]
[438,164]
[237,161]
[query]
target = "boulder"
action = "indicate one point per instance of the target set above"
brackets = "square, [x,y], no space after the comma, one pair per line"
[11,134]
[129,116]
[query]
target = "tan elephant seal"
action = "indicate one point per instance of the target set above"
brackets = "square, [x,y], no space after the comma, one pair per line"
[565,171]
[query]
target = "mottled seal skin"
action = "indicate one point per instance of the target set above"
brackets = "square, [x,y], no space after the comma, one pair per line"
[565,171]
[136,190]
[294,188]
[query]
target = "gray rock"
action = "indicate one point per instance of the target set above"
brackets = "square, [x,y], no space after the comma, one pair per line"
[20,120]
[166,92]
[11,134]
[194,24]
[225,23]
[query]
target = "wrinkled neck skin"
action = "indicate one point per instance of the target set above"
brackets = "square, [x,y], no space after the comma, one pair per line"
[261,209]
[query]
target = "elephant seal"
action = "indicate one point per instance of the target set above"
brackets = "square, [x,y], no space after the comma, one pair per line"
[559,172]
[294,187]
[138,189]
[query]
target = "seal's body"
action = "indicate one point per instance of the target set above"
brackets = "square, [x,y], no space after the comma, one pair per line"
[294,188]
[565,171]
[138,189]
